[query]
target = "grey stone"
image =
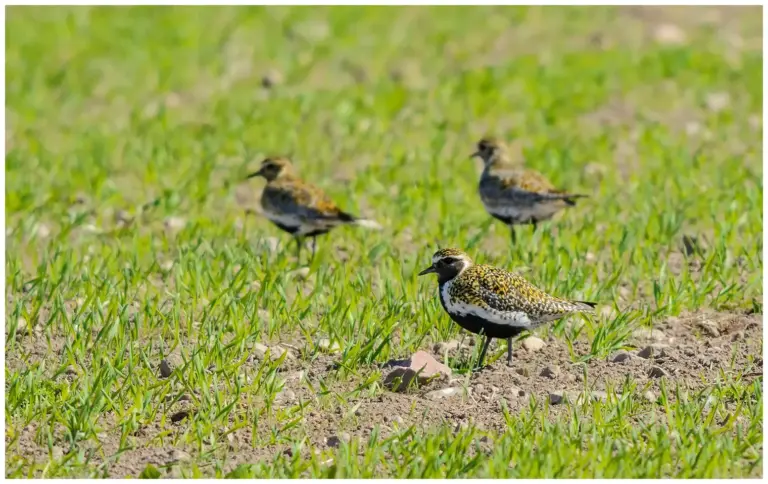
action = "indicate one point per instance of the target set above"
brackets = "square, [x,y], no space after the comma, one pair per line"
[165,369]
[443,393]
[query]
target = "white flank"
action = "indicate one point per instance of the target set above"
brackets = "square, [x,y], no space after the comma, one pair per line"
[540,211]
[516,319]
[304,226]
[284,219]
[369,224]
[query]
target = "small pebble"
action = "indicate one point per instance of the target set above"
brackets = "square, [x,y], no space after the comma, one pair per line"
[443,393]
[165,369]
[646,352]
[327,346]
[57,452]
[718,101]
[621,357]
[649,396]
[523,371]
[550,372]
[22,327]
[669,34]
[556,398]
[180,455]
[657,372]
[175,223]
[532,343]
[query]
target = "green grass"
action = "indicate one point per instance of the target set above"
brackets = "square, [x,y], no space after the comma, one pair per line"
[125,107]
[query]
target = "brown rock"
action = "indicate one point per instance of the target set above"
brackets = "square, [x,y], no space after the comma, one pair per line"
[532,343]
[420,365]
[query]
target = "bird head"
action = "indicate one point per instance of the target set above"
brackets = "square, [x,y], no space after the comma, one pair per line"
[490,149]
[447,264]
[273,168]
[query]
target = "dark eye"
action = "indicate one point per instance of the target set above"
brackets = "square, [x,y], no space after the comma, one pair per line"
[449,260]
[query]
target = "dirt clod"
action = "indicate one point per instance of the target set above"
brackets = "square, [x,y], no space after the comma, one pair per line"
[652,351]
[709,326]
[621,357]
[657,372]
[179,416]
[165,369]
[550,371]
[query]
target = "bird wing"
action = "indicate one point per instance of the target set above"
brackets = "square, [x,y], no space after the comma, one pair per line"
[299,199]
[528,180]
[507,291]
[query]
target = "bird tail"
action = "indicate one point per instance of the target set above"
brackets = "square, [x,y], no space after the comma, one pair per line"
[584,306]
[570,199]
[351,219]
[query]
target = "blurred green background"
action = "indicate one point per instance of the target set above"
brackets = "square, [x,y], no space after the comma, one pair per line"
[158,113]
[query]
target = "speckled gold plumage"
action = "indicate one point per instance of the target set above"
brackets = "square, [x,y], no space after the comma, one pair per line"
[496,303]
[493,288]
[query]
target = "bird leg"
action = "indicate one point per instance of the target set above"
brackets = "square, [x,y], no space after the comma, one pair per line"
[482,353]
[533,224]
[314,242]
[514,237]
[298,249]
[509,351]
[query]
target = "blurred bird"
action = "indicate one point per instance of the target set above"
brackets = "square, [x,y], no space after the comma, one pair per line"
[297,207]
[513,194]
[493,302]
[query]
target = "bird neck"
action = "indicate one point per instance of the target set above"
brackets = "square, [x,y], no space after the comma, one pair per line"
[499,160]
[444,277]
[284,176]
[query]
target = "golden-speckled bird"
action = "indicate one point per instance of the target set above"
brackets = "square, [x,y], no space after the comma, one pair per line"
[513,194]
[297,207]
[493,302]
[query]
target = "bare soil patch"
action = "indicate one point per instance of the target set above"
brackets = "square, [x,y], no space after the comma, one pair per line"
[690,351]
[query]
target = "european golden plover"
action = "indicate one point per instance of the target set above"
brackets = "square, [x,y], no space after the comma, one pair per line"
[297,207]
[513,194]
[493,302]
